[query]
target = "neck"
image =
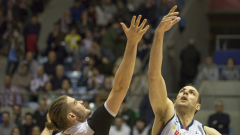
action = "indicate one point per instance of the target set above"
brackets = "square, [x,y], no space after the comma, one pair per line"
[185,116]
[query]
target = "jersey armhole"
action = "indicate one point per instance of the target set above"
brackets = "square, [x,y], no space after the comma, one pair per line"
[204,130]
[109,111]
[166,124]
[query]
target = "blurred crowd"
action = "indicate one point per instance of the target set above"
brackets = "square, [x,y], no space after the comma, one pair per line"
[194,72]
[82,55]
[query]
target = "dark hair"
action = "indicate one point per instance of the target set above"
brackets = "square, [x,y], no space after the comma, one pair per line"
[17,106]
[141,119]
[6,112]
[28,113]
[57,114]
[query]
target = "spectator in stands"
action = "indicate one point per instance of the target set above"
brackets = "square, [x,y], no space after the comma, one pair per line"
[37,6]
[16,131]
[147,10]
[72,39]
[9,99]
[105,66]
[148,36]
[86,49]
[36,130]
[100,97]
[119,128]
[16,32]
[14,55]
[84,23]
[59,77]
[38,82]
[50,66]
[12,11]
[109,7]
[92,14]
[109,41]
[17,116]
[146,111]
[143,49]
[127,114]
[230,73]
[22,81]
[49,96]
[56,37]
[66,22]
[220,121]
[31,34]
[161,10]
[123,14]
[3,27]
[26,128]
[66,88]
[102,18]
[7,126]
[77,10]
[141,127]
[40,114]
[32,64]
[190,58]
[208,71]
[0,115]
[96,80]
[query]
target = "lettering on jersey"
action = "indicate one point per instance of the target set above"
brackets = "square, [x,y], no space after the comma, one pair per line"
[198,133]
[177,133]
[174,127]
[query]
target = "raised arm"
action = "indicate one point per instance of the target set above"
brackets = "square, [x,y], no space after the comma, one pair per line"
[124,74]
[157,88]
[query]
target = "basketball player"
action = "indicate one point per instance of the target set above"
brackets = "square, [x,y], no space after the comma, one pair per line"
[69,116]
[172,118]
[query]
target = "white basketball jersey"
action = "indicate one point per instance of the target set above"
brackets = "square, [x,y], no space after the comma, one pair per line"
[175,127]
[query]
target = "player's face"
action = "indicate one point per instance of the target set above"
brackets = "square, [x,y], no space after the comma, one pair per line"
[187,97]
[78,109]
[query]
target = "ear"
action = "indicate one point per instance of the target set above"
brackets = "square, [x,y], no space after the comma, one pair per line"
[71,116]
[198,107]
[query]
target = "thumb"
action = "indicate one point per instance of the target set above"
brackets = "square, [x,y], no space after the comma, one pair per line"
[124,28]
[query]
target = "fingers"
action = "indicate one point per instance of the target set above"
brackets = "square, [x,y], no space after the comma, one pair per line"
[173,14]
[133,21]
[124,27]
[145,29]
[176,20]
[143,23]
[138,20]
[170,17]
[173,9]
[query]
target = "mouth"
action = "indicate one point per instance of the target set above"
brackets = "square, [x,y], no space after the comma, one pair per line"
[184,98]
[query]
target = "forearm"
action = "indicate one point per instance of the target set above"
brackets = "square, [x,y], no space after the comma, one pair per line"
[124,74]
[156,55]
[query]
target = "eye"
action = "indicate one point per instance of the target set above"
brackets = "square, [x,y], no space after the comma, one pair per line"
[191,92]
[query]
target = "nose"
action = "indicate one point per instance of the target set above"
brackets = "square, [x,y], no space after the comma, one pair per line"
[185,92]
[81,102]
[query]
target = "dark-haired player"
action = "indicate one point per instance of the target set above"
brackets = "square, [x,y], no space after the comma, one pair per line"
[70,116]
[172,118]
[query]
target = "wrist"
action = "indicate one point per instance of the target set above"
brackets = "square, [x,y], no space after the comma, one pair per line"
[132,41]
[159,32]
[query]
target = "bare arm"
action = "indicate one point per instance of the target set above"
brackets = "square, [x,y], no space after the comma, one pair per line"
[211,131]
[162,106]
[124,74]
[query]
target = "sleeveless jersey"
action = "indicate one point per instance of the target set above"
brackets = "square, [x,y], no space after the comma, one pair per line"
[175,127]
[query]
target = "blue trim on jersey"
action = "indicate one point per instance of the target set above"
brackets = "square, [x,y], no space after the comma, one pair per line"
[166,124]
[204,130]
[187,128]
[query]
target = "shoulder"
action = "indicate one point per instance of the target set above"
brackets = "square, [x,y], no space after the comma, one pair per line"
[211,131]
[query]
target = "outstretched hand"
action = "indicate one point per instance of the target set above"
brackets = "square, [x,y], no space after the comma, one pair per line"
[168,20]
[135,32]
